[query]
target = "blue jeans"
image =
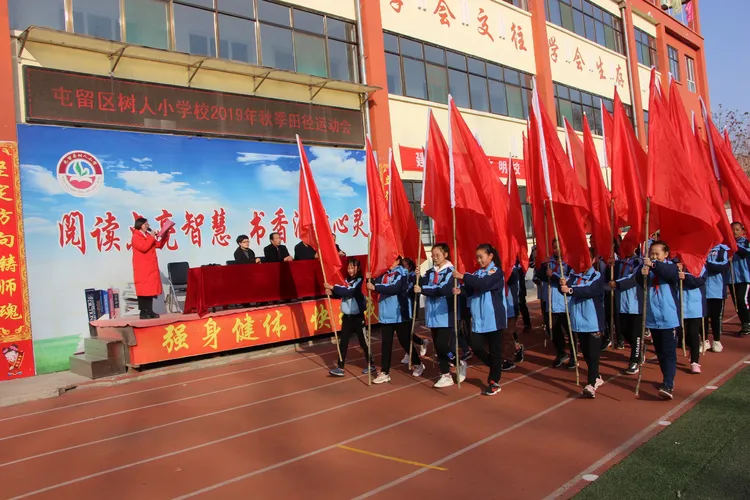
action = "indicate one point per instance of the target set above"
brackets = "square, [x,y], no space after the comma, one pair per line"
[665,344]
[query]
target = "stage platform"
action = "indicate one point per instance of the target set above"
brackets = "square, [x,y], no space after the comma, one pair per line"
[130,342]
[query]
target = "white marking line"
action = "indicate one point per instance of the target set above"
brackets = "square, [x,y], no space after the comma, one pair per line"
[636,439]
[711,387]
[664,423]
[347,441]
[216,441]
[590,477]
[163,403]
[211,377]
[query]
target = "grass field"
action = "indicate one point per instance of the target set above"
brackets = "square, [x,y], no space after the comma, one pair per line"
[51,355]
[705,454]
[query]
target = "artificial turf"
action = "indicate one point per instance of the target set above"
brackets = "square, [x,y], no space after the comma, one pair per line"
[705,454]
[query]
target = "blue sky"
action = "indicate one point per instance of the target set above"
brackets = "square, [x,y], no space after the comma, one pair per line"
[727,41]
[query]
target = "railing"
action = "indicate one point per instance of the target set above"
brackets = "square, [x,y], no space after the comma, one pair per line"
[682,13]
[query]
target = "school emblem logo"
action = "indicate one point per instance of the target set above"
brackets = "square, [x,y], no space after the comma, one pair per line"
[80,174]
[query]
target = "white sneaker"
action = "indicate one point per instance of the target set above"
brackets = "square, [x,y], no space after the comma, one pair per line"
[445,380]
[423,348]
[462,367]
[405,361]
[418,370]
[706,346]
[599,383]
[716,346]
[382,378]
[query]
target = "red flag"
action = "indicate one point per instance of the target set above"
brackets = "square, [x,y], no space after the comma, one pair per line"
[535,193]
[686,221]
[599,197]
[480,200]
[515,220]
[726,139]
[567,202]
[383,247]
[608,125]
[313,222]
[575,155]
[404,224]
[436,185]
[629,163]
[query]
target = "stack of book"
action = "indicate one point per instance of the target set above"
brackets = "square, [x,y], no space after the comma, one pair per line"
[102,304]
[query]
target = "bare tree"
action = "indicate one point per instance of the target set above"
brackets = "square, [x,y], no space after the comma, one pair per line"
[737,124]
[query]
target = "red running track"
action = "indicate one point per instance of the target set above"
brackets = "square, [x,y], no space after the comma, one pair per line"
[280,427]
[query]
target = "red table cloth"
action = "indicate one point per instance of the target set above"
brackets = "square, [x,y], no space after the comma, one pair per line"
[217,286]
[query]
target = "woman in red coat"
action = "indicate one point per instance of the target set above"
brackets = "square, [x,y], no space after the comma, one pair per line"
[146,267]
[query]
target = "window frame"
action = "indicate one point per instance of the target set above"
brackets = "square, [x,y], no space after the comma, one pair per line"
[414,196]
[585,101]
[646,44]
[589,17]
[673,56]
[690,74]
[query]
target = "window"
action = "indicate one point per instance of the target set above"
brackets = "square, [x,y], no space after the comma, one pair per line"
[99,18]
[146,23]
[674,62]
[237,39]
[645,48]
[528,222]
[414,195]
[690,63]
[425,71]
[645,122]
[194,30]
[25,13]
[587,20]
[573,103]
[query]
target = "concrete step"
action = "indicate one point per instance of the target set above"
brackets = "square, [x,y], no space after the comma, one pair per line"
[103,347]
[95,367]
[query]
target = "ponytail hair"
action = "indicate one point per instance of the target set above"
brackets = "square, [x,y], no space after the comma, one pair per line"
[489,249]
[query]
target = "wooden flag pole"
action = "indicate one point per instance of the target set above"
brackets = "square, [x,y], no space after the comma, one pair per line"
[612,325]
[371,359]
[682,317]
[642,354]
[418,273]
[328,297]
[703,349]
[565,299]
[455,301]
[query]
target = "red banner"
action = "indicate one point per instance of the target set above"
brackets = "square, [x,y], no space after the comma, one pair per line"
[412,160]
[248,328]
[15,327]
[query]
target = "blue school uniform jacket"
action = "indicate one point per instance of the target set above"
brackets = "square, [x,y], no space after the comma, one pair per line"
[628,293]
[393,301]
[484,289]
[716,272]
[511,293]
[352,298]
[693,296]
[558,301]
[587,301]
[437,289]
[662,312]
[741,261]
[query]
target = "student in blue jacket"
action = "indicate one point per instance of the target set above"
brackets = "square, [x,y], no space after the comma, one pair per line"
[662,313]
[549,274]
[512,349]
[693,306]
[586,292]
[353,308]
[437,288]
[523,309]
[717,280]
[741,269]
[629,305]
[418,341]
[395,317]
[484,288]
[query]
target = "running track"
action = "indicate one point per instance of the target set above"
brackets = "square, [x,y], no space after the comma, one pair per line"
[279,427]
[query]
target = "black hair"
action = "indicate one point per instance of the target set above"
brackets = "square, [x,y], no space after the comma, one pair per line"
[737,223]
[489,249]
[270,237]
[355,262]
[139,222]
[662,244]
[242,238]
[443,247]
[409,264]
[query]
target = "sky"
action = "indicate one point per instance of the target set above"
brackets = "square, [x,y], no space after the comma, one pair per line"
[727,42]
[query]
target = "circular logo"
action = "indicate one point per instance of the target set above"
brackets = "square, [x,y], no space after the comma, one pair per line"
[80,173]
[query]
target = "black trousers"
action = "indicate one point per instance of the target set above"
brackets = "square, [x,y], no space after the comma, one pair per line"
[591,347]
[715,317]
[442,339]
[522,307]
[741,301]
[350,326]
[560,333]
[631,326]
[403,332]
[146,303]
[488,347]
[693,338]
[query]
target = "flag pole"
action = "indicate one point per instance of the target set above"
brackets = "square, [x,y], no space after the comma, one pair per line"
[328,297]
[565,299]
[682,317]
[371,359]
[548,333]
[416,304]
[642,354]
[455,301]
[703,349]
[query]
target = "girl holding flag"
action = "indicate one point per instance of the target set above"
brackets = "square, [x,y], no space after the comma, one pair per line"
[418,341]
[485,291]
[717,279]
[693,306]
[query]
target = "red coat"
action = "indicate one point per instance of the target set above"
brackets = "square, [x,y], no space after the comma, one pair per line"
[145,264]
